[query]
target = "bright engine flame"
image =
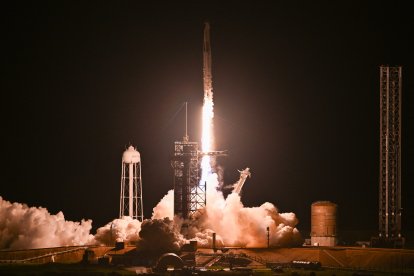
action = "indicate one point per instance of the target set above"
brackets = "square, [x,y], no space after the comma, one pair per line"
[207,136]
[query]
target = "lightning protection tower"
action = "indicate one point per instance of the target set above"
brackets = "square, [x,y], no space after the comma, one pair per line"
[390,157]
[131,185]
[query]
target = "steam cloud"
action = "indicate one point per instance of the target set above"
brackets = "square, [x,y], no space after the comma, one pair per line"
[242,226]
[165,208]
[123,229]
[23,227]
[236,225]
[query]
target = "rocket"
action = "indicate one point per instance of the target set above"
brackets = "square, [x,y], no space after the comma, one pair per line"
[207,78]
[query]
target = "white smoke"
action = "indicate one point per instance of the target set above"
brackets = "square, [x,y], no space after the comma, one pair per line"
[234,224]
[123,229]
[165,208]
[23,227]
[128,229]
[237,225]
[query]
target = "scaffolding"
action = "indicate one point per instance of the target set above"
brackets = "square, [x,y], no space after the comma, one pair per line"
[390,157]
[189,194]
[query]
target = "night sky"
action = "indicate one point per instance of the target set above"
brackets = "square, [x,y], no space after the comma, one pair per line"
[296,92]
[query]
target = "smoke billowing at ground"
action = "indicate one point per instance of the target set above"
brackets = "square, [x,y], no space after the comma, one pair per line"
[234,224]
[160,235]
[118,230]
[23,227]
[165,208]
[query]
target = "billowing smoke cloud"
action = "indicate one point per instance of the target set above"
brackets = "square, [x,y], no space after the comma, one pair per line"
[234,224]
[154,236]
[123,229]
[160,236]
[165,208]
[237,225]
[23,227]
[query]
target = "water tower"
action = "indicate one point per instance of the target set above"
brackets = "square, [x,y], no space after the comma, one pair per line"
[323,223]
[130,203]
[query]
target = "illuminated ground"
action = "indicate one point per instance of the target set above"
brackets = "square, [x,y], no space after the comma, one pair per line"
[61,269]
[337,260]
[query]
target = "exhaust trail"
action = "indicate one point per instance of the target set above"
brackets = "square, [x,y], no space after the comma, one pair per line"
[208,108]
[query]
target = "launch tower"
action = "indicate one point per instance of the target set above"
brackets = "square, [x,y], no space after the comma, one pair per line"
[130,203]
[189,190]
[390,158]
[189,194]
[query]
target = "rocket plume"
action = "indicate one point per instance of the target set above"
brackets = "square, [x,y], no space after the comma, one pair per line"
[207,124]
[208,112]
[206,142]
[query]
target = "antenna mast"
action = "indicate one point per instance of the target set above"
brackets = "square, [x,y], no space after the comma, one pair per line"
[186,137]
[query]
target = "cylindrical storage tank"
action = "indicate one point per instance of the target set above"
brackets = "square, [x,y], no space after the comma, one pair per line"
[131,155]
[323,223]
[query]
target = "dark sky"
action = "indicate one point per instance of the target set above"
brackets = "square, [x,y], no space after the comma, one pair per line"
[296,90]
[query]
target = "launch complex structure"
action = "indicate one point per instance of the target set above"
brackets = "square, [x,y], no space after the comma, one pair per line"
[190,193]
[390,158]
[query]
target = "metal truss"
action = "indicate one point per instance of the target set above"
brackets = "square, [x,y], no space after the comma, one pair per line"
[390,153]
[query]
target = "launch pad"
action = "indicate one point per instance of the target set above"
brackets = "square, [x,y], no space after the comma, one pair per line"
[190,189]
[190,194]
[284,261]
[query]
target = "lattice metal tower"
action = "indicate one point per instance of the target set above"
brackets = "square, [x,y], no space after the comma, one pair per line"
[130,203]
[189,194]
[390,155]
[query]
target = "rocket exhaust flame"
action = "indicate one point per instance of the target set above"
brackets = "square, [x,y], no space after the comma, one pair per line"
[207,129]
[208,113]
